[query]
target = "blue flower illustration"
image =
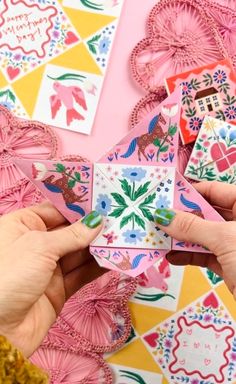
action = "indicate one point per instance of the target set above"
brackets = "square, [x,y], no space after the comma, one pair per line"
[195,123]
[7,104]
[223,133]
[163,202]
[230,112]
[232,136]
[103,204]
[133,236]
[134,174]
[220,76]
[104,45]
[186,88]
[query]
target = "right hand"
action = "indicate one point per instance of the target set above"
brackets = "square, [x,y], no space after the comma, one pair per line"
[218,237]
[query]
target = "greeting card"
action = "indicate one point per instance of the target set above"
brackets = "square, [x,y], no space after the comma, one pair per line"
[214,153]
[54,57]
[208,90]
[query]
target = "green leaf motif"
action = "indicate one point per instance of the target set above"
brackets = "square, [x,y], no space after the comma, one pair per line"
[132,376]
[126,220]
[126,187]
[11,96]
[77,176]
[92,48]
[94,39]
[146,213]
[131,336]
[195,84]
[207,80]
[119,199]
[151,298]
[68,76]
[92,44]
[190,112]
[140,222]
[148,200]
[213,277]
[71,183]
[229,100]
[224,87]
[187,99]
[164,149]
[220,115]
[198,147]
[60,167]
[157,142]
[172,130]
[141,190]
[117,212]
[92,5]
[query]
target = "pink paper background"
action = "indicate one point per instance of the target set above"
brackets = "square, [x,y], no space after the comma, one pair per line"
[120,92]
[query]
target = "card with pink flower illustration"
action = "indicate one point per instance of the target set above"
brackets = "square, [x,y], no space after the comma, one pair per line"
[196,345]
[208,90]
[214,154]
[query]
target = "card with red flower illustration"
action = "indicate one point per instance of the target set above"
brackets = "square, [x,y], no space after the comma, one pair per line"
[68,185]
[32,33]
[214,154]
[208,90]
[197,345]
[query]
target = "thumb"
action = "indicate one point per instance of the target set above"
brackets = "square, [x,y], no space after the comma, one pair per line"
[76,236]
[184,226]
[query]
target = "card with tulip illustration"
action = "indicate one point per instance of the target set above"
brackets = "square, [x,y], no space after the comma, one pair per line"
[208,90]
[214,153]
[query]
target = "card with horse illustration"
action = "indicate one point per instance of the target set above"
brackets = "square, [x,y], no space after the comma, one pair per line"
[214,154]
[67,184]
[208,90]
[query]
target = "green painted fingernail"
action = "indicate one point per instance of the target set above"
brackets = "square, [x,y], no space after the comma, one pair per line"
[164,216]
[92,220]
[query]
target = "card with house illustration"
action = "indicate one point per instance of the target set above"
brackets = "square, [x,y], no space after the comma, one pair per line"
[208,90]
[214,154]
[68,185]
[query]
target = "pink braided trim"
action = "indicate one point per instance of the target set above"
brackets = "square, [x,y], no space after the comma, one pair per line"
[99,359]
[144,45]
[146,102]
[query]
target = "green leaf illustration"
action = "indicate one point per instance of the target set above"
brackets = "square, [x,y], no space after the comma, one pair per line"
[190,112]
[213,277]
[92,43]
[195,84]
[126,220]
[131,336]
[77,176]
[172,130]
[11,96]
[3,93]
[220,115]
[157,142]
[224,87]
[164,149]
[60,167]
[187,99]
[229,100]
[141,190]
[92,5]
[133,376]
[208,80]
[192,170]
[117,212]
[146,213]
[159,296]
[140,222]
[68,76]
[126,187]
[71,183]
[198,147]
[119,199]
[148,200]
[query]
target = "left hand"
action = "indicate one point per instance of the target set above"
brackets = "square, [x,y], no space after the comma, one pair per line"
[43,261]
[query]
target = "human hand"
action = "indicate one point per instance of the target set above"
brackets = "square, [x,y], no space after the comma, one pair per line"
[43,262]
[218,237]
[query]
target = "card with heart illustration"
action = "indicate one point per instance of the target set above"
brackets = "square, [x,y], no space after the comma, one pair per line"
[208,90]
[214,153]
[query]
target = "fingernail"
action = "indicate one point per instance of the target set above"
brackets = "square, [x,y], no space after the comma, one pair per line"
[92,220]
[164,216]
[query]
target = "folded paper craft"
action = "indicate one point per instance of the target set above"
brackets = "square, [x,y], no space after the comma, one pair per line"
[126,185]
[214,153]
[208,90]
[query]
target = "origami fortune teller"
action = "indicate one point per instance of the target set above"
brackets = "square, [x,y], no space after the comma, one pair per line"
[135,177]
